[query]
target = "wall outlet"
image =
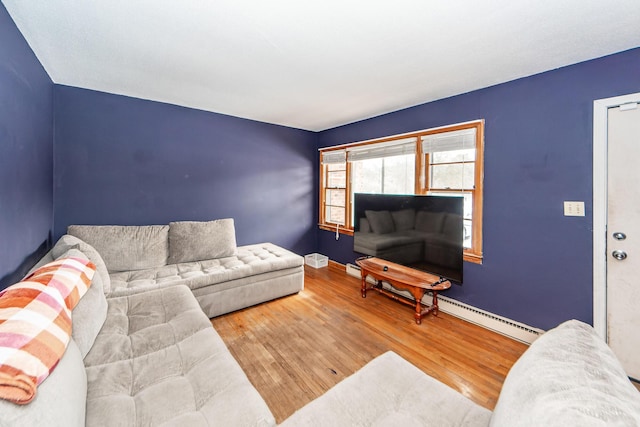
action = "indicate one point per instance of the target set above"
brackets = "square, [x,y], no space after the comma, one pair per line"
[573,208]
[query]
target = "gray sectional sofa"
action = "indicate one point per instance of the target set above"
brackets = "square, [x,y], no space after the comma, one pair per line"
[143,353]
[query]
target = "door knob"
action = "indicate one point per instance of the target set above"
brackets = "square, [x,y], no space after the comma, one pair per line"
[619,236]
[619,255]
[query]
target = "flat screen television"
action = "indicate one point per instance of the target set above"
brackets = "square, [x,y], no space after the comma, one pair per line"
[421,232]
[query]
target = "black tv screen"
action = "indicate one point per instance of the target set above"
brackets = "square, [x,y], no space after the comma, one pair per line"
[421,232]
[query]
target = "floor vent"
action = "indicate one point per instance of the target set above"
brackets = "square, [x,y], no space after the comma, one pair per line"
[499,324]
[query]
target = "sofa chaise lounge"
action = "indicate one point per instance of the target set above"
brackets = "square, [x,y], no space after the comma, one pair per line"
[200,255]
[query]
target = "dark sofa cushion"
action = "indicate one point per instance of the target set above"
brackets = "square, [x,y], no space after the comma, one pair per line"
[381,222]
[429,222]
[404,219]
[364,225]
[451,224]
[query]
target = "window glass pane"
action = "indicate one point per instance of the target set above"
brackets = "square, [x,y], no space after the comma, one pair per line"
[366,176]
[454,156]
[337,167]
[335,215]
[336,197]
[467,233]
[337,179]
[389,175]
[453,176]
[399,175]
[467,204]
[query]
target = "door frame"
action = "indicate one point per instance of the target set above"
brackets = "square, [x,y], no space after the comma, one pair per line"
[600,174]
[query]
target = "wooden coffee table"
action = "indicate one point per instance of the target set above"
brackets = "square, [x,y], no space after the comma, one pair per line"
[415,282]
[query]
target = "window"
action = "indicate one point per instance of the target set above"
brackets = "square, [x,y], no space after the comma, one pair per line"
[336,208]
[450,159]
[334,191]
[446,161]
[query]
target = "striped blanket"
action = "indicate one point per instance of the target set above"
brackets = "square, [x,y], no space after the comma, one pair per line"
[35,324]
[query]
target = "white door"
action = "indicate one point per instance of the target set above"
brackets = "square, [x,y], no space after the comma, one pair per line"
[623,236]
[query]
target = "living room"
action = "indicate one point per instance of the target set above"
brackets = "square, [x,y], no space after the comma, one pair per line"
[72,155]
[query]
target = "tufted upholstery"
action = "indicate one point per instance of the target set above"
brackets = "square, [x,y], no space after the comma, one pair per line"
[158,361]
[250,261]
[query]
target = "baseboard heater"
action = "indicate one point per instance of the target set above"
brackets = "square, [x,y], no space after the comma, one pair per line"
[499,324]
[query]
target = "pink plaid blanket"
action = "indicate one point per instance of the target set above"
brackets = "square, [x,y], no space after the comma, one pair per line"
[35,324]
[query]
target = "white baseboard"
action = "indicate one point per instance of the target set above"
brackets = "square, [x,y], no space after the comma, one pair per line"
[502,325]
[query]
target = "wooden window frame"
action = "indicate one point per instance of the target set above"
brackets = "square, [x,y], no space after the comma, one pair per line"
[473,254]
[347,228]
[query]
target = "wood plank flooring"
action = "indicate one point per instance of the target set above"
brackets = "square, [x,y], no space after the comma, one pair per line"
[295,348]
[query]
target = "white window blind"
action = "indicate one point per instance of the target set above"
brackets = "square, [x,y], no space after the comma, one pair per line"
[449,141]
[334,156]
[396,147]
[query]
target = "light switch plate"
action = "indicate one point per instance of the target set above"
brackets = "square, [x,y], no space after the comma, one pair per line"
[573,208]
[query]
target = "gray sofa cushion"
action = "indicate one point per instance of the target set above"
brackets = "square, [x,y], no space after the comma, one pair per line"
[450,225]
[381,222]
[251,261]
[67,242]
[196,241]
[389,391]
[404,219]
[158,361]
[60,400]
[429,222]
[125,248]
[568,377]
[89,314]
[380,242]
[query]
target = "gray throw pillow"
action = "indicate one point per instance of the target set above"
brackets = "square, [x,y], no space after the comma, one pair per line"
[404,220]
[196,241]
[127,247]
[67,242]
[429,222]
[381,222]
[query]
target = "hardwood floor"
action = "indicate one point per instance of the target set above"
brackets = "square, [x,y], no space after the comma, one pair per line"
[295,348]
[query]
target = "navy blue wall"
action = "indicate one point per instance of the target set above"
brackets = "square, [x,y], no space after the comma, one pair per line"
[26,154]
[537,265]
[121,160]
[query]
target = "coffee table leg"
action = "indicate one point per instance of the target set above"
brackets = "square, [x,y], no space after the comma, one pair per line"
[435,303]
[363,289]
[417,295]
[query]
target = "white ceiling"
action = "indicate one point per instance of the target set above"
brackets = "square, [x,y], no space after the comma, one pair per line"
[314,64]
